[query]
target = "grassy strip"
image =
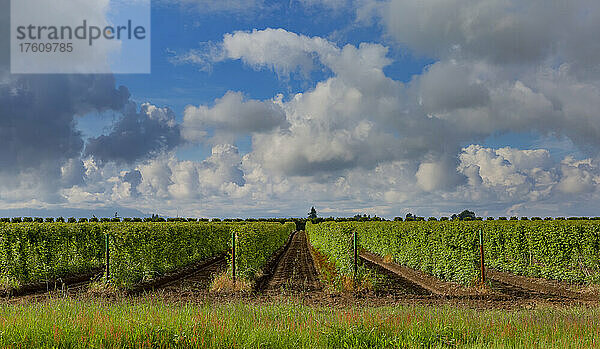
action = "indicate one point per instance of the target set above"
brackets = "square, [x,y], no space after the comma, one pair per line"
[150,323]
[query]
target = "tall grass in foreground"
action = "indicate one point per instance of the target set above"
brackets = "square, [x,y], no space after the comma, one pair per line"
[72,324]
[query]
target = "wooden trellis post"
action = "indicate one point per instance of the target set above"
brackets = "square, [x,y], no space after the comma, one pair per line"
[233,256]
[355,244]
[481,256]
[107,245]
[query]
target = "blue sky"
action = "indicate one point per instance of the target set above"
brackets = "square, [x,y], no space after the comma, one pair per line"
[266,108]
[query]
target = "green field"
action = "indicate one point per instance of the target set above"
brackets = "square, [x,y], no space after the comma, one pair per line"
[149,323]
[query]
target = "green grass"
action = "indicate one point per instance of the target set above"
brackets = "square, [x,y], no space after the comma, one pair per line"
[64,323]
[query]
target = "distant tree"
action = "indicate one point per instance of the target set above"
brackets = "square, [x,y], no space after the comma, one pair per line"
[409,217]
[466,215]
[313,213]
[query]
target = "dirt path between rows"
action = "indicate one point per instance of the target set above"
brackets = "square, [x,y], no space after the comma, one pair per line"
[296,270]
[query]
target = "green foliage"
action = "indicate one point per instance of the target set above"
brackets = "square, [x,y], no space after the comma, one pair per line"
[32,252]
[560,249]
[334,239]
[256,243]
[446,249]
[142,251]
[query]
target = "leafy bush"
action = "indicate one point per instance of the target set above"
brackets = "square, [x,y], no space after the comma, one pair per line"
[256,243]
[560,249]
[142,251]
[39,251]
[445,249]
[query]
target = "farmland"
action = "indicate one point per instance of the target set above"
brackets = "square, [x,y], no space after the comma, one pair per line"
[327,282]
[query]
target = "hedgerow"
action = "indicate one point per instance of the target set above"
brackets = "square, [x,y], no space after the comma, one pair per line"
[142,251]
[32,252]
[445,249]
[559,249]
[256,243]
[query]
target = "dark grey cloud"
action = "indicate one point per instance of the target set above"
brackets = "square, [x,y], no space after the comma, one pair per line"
[37,116]
[497,30]
[446,87]
[135,179]
[137,135]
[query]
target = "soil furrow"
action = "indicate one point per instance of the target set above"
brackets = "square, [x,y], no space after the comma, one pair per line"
[296,270]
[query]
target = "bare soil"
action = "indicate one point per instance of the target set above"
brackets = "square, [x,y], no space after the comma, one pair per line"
[296,270]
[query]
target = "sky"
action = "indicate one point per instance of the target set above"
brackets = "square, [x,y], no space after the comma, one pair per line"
[265,108]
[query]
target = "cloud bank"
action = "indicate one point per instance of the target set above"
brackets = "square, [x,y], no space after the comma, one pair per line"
[357,141]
